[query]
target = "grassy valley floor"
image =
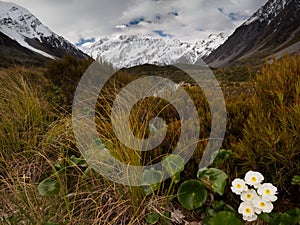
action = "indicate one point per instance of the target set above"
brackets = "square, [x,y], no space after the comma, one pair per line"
[45,180]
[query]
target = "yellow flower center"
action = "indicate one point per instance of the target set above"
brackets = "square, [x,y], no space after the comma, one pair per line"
[253,179]
[239,186]
[249,196]
[268,192]
[248,210]
[262,204]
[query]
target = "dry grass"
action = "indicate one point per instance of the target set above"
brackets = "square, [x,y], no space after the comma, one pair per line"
[34,139]
[37,142]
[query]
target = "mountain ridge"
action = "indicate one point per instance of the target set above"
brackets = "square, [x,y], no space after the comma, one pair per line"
[131,50]
[269,31]
[12,53]
[22,26]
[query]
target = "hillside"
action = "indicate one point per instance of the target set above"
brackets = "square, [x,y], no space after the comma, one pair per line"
[273,30]
[25,39]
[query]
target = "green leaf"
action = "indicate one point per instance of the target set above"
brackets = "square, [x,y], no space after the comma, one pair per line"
[269,218]
[209,211]
[166,218]
[176,178]
[151,180]
[222,206]
[87,173]
[78,161]
[192,194]
[218,205]
[152,218]
[57,166]
[173,164]
[48,187]
[295,215]
[296,180]
[288,218]
[217,179]
[285,219]
[220,155]
[224,217]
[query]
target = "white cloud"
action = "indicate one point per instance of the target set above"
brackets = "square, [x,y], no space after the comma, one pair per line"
[187,20]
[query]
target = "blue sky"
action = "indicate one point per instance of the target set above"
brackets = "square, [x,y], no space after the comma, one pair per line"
[82,21]
[83,40]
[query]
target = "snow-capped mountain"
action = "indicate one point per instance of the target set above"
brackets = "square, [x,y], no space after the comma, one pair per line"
[131,50]
[22,26]
[269,11]
[273,30]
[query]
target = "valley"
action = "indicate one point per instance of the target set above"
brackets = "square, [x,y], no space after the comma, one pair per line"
[53,171]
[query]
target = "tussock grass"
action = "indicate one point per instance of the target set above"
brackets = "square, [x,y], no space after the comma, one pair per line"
[34,139]
[37,142]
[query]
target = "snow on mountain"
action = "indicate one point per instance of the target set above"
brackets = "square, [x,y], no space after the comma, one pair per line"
[273,30]
[270,10]
[20,25]
[131,50]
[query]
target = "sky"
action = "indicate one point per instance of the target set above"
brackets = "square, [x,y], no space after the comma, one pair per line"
[187,20]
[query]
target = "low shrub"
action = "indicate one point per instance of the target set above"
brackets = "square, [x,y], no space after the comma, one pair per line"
[271,140]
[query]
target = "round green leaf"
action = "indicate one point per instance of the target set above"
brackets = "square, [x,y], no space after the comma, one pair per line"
[152,218]
[150,178]
[173,164]
[192,194]
[224,217]
[48,187]
[217,179]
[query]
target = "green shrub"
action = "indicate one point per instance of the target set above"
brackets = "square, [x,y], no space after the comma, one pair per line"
[66,73]
[271,140]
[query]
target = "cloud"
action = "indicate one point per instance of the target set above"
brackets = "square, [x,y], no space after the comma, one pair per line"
[187,20]
[233,16]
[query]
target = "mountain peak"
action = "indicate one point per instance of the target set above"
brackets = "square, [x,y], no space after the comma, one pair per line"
[22,26]
[131,50]
[15,17]
[269,11]
[274,29]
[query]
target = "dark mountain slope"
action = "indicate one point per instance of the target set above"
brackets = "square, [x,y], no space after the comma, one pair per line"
[11,52]
[25,31]
[275,28]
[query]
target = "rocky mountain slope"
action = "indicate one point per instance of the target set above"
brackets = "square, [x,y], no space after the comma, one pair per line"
[12,53]
[18,24]
[273,30]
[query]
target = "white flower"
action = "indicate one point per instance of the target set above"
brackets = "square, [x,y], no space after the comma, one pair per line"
[247,210]
[268,192]
[238,186]
[249,195]
[257,185]
[250,218]
[253,178]
[262,205]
